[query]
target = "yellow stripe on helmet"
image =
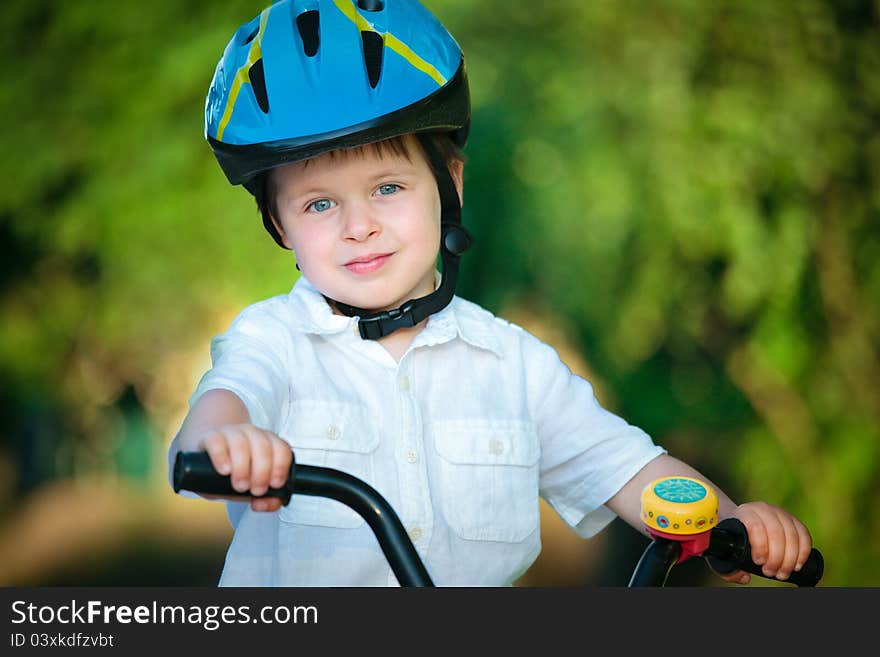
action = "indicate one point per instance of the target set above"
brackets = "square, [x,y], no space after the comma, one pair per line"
[391,41]
[241,76]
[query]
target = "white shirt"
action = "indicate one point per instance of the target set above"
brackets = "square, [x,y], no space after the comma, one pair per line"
[461,436]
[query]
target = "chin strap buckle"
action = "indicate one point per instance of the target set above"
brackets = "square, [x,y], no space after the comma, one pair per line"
[381,324]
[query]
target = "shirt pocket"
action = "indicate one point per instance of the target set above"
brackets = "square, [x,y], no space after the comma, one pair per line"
[489,478]
[330,434]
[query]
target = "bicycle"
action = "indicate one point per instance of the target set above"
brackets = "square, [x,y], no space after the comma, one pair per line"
[680,515]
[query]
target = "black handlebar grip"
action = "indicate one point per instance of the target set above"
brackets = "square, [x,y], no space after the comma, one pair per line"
[729,550]
[193,471]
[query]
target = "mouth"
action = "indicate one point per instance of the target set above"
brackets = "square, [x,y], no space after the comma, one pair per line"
[368,263]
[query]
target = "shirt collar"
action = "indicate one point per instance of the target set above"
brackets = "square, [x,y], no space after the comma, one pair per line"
[311,312]
[459,319]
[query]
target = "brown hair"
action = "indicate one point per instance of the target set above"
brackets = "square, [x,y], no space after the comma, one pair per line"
[265,194]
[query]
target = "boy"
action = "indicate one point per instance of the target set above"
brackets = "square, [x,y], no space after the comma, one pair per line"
[345,120]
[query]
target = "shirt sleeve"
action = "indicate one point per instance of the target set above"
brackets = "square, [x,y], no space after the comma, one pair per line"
[250,360]
[587,452]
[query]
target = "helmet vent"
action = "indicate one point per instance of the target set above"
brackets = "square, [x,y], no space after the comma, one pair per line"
[307,24]
[258,83]
[252,35]
[374,47]
[371,5]
[248,32]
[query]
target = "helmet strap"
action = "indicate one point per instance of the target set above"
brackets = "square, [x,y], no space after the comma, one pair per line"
[454,240]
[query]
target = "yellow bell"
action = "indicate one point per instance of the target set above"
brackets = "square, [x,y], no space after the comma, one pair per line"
[679,505]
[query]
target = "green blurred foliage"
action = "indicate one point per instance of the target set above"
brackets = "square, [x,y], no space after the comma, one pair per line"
[690,185]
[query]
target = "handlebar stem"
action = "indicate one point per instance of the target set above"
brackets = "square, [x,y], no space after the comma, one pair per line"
[656,562]
[693,545]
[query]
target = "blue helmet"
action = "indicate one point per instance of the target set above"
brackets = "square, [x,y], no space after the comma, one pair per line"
[309,76]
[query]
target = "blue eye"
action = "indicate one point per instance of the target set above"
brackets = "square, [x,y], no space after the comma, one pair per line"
[388,189]
[321,205]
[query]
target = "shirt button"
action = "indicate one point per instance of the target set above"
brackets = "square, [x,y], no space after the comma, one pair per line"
[404,382]
[415,533]
[496,447]
[333,432]
[411,456]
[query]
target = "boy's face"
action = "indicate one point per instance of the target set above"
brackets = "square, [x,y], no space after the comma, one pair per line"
[364,225]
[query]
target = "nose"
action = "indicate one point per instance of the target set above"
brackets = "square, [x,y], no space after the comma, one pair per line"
[360,223]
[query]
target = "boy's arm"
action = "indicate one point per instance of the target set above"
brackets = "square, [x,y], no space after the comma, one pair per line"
[779,541]
[212,410]
[254,458]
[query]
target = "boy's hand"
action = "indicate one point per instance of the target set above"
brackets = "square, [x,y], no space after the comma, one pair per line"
[255,459]
[780,543]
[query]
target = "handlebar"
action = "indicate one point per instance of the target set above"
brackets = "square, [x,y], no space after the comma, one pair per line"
[728,550]
[725,546]
[194,471]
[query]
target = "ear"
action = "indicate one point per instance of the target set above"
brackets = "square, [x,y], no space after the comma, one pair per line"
[456,170]
[279,229]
